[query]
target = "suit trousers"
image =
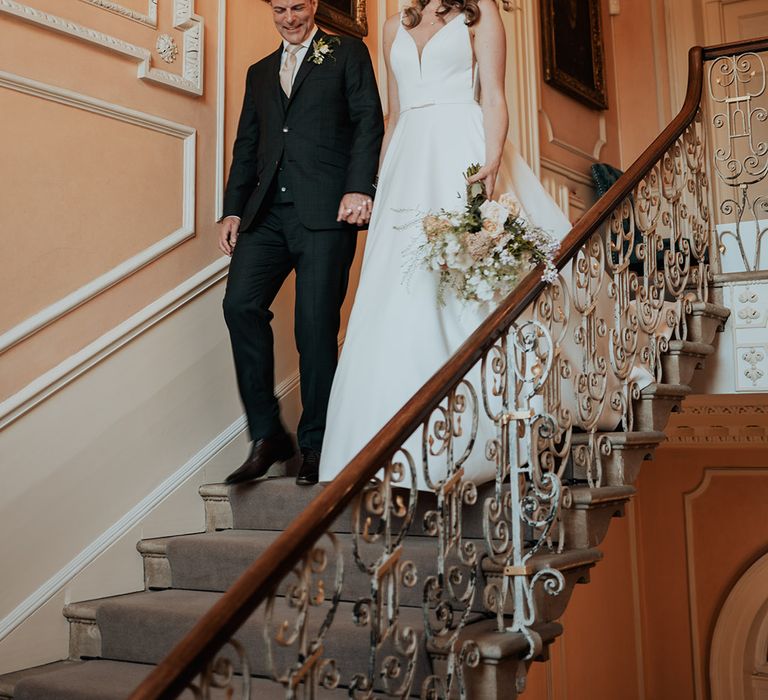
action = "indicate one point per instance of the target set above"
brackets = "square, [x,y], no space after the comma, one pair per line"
[263,258]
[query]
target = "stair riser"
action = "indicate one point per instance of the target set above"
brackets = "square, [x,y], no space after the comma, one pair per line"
[84,639]
[679,368]
[621,467]
[152,643]
[587,528]
[158,573]
[652,413]
[702,327]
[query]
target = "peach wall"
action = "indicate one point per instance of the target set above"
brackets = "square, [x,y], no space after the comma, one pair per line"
[702,524]
[145,382]
[573,134]
[642,76]
[132,199]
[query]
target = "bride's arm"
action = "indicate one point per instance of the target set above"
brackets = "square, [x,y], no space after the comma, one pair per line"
[491,52]
[393,101]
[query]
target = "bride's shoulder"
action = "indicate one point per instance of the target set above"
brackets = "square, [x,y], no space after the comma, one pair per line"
[391,26]
[489,13]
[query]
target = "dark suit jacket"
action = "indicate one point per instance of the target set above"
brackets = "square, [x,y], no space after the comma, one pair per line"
[329,134]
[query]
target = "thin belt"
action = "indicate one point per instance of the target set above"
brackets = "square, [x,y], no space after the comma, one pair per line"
[438,102]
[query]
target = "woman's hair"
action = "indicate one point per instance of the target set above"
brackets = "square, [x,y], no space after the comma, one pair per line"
[470,8]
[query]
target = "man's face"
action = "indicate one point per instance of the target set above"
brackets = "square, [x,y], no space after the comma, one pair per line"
[294,19]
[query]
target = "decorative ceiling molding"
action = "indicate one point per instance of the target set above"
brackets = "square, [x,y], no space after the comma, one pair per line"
[149,19]
[185,20]
[148,121]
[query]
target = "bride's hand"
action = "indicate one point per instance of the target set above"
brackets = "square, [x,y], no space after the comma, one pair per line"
[487,174]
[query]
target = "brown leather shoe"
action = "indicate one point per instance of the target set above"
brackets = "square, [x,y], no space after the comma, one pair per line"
[264,454]
[310,467]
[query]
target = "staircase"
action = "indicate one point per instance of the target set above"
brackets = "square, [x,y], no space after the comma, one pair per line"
[115,641]
[364,588]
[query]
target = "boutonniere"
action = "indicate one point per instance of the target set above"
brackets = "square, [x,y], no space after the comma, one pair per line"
[322,48]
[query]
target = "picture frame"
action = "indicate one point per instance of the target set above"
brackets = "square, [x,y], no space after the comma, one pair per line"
[344,16]
[572,46]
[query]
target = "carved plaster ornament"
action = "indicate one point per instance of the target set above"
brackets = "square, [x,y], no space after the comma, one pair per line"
[167,48]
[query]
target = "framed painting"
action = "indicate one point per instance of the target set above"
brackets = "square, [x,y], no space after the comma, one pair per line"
[572,42]
[345,16]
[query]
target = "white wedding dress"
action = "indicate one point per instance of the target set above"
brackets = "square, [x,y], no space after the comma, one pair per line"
[398,336]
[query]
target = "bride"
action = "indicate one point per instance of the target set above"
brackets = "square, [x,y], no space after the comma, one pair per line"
[438,53]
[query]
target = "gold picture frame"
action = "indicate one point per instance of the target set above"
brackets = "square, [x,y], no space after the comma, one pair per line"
[345,16]
[572,44]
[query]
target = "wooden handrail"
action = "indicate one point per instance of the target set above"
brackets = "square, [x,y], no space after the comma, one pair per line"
[221,622]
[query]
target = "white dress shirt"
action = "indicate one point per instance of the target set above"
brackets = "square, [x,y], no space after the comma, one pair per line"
[300,54]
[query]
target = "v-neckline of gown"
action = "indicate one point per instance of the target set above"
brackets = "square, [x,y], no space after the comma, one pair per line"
[420,53]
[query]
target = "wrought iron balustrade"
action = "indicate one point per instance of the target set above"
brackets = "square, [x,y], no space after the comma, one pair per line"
[535,390]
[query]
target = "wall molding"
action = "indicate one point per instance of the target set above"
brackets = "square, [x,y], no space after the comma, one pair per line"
[597,149]
[735,633]
[187,134]
[221,87]
[569,173]
[70,369]
[149,18]
[110,536]
[185,20]
[522,79]
[698,654]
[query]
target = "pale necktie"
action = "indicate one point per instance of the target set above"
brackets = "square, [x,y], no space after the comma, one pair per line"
[289,66]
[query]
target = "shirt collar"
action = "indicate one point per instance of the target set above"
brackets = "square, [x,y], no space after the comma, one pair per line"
[306,43]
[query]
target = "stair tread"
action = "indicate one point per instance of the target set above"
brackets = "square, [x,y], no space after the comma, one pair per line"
[690,347]
[100,679]
[143,627]
[601,494]
[562,561]
[620,438]
[271,504]
[213,561]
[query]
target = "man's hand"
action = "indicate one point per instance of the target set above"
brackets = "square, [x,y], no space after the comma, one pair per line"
[355,208]
[228,228]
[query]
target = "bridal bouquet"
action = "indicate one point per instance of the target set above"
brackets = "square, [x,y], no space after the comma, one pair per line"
[483,251]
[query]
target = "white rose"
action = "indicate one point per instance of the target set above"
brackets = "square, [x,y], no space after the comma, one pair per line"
[494,217]
[511,203]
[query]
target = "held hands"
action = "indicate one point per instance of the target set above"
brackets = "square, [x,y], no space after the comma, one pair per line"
[228,229]
[355,208]
[487,174]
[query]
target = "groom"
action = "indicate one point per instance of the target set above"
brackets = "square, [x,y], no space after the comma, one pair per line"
[301,182]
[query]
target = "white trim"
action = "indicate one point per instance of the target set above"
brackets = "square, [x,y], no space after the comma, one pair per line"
[221,86]
[522,79]
[567,172]
[62,577]
[191,80]
[149,19]
[112,111]
[381,19]
[70,369]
